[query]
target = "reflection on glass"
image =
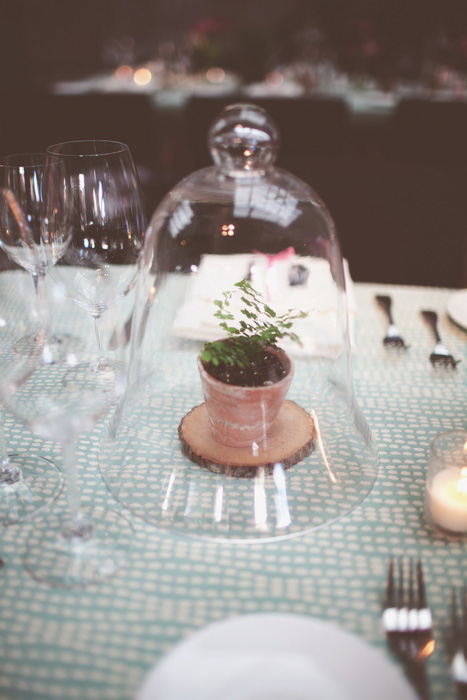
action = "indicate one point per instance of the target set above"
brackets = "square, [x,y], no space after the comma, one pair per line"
[94,226]
[20,227]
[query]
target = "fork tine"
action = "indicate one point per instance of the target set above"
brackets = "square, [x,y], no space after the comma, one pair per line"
[454,623]
[411,595]
[390,598]
[400,590]
[445,360]
[421,586]
[464,619]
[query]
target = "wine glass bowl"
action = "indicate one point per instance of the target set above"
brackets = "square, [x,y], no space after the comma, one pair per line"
[20,227]
[21,208]
[93,224]
[53,412]
[21,218]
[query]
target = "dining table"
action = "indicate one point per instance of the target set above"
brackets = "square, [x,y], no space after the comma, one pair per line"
[101,641]
[364,99]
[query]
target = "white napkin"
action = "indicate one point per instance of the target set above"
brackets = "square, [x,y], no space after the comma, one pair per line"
[320,332]
[236,675]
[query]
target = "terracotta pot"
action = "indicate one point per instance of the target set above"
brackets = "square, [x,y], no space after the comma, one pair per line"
[242,415]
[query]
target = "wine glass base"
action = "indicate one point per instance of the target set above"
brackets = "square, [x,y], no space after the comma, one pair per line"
[40,484]
[54,557]
[31,345]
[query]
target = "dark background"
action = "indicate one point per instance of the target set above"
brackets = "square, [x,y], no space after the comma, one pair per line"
[43,40]
[396,186]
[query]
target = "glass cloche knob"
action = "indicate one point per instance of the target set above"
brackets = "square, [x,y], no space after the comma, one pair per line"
[243,140]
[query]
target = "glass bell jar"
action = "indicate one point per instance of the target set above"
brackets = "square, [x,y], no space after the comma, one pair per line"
[240,422]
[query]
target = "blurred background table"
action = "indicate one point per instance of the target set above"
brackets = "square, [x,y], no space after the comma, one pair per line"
[97,643]
[393,179]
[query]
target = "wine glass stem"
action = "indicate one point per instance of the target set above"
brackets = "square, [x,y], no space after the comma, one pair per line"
[78,525]
[101,362]
[9,473]
[5,466]
[39,279]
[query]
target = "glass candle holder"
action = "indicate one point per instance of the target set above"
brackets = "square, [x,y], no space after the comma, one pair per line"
[446,483]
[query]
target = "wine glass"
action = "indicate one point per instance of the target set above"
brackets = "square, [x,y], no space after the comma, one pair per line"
[20,226]
[29,482]
[93,226]
[76,546]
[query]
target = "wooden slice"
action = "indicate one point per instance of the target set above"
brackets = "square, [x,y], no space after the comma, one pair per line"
[290,439]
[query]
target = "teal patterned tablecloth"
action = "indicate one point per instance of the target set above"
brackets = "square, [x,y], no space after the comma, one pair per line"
[98,643]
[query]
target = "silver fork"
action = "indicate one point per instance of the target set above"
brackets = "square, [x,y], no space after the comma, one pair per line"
[440,354]
[459,641]
[408,623]
[392,337]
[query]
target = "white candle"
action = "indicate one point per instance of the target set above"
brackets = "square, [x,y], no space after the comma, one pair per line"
[448,499]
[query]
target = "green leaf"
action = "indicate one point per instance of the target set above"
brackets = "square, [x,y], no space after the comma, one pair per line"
[247,313]
[265,327]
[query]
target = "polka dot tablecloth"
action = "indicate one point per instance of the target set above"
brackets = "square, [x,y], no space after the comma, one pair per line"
[98,643]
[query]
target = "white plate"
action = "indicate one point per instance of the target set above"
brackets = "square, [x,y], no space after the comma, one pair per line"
[457,308]
[274,657]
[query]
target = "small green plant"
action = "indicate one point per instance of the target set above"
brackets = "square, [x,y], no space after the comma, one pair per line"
[260,327]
